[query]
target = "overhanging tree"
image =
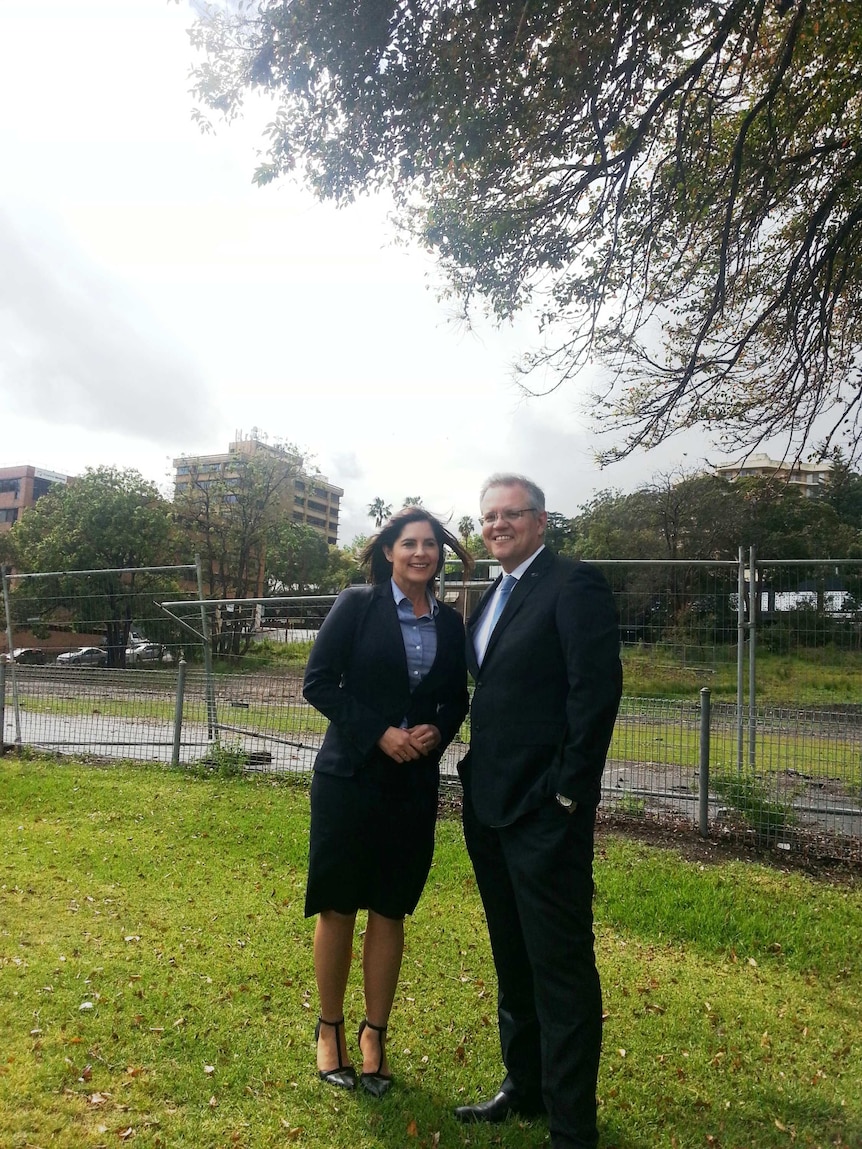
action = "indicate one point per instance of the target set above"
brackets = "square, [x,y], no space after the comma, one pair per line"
[674,189]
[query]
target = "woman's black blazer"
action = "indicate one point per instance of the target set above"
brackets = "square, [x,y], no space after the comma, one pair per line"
[357,677]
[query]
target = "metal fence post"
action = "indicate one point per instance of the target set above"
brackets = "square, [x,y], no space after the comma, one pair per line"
[740,658]
[7,610]
[2,703]
[754,604]
[209,687]
[178,712]
[703,775]
[16,709]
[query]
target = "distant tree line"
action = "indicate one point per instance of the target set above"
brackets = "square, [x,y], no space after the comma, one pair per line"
[115,520]
[707,517]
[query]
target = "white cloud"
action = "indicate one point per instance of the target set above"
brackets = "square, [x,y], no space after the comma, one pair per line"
[78,347]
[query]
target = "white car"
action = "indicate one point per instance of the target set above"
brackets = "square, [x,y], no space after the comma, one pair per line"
[83,656]
[145,653]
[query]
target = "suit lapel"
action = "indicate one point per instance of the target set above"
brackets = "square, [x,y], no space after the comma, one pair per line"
[474,620]
[527,583]
[391,629]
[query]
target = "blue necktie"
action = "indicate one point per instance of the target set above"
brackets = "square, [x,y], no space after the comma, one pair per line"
[506,587]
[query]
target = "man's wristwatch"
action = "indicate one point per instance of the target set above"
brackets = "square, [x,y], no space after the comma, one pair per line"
[568,804]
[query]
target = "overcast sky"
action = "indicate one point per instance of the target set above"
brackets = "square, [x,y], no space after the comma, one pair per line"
[154,302]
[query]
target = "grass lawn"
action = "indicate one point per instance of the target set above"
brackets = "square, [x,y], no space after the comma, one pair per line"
[156,984]
[815,677]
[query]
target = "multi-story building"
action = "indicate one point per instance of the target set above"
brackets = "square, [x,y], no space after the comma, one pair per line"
[20,487]
[311,498]
[810,477]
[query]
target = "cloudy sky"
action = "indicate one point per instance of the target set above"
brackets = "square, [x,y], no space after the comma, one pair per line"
[154,302]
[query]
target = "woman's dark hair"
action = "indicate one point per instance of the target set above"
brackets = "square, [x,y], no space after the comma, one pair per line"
[378,564]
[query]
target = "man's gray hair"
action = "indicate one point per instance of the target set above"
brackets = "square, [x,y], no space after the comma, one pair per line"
[509,479]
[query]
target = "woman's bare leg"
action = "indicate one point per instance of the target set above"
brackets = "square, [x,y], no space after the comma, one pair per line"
[381,965]
[333,951]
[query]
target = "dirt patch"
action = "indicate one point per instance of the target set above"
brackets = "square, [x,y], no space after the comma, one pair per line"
[811,854]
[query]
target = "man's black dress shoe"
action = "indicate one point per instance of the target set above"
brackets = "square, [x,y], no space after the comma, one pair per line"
[498,1108]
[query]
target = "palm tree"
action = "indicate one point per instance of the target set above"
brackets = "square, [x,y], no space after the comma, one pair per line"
[466,527]
[378,510]
[415,502]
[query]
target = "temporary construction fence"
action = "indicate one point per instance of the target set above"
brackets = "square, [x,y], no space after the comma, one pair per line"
[50,615]
[791,775]
[669,759]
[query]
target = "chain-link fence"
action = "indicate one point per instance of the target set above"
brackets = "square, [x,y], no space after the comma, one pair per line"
[789,774]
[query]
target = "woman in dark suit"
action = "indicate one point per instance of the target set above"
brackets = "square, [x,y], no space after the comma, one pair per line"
[388,671]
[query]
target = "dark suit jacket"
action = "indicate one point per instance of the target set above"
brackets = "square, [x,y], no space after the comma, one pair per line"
[547,692]
[357,676]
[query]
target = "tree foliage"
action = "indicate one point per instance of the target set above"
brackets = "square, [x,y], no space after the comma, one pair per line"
[379,511]
[672,188]
[232,516]
[108,521]
[297,559]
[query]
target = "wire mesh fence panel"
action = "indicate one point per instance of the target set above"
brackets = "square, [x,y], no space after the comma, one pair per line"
[653,759]
[99,618]
[811,606]
[115,714]
[267,717]
[792,766]
[685,612]
[810,763]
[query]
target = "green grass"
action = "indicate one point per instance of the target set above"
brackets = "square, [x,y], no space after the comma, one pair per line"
[267,657]
[274,717]
[671,744]
[171,905]
[817,677]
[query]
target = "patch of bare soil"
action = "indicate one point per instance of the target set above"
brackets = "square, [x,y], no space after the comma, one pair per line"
[817,856]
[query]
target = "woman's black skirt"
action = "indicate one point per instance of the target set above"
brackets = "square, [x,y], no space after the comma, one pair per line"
[372,838]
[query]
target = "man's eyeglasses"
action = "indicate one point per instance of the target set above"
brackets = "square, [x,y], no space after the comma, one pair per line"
[505,516]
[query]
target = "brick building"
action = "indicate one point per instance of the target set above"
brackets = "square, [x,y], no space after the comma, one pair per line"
[20,487]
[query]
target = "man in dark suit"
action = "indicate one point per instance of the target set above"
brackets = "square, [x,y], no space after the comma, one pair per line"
[543,649]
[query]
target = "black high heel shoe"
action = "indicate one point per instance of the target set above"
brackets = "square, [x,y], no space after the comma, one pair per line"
[344,1076]
[376,1083]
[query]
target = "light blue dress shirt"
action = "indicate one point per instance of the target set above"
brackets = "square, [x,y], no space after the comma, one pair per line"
[419,635]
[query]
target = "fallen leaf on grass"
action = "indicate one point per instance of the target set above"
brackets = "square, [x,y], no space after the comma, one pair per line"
[413,1129]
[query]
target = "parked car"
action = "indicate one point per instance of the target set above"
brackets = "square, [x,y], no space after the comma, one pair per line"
[83,656]
[29,656]
[146,653]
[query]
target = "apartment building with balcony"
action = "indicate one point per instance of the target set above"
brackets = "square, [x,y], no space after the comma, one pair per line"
[309,499]
[20,488]
[810,478]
